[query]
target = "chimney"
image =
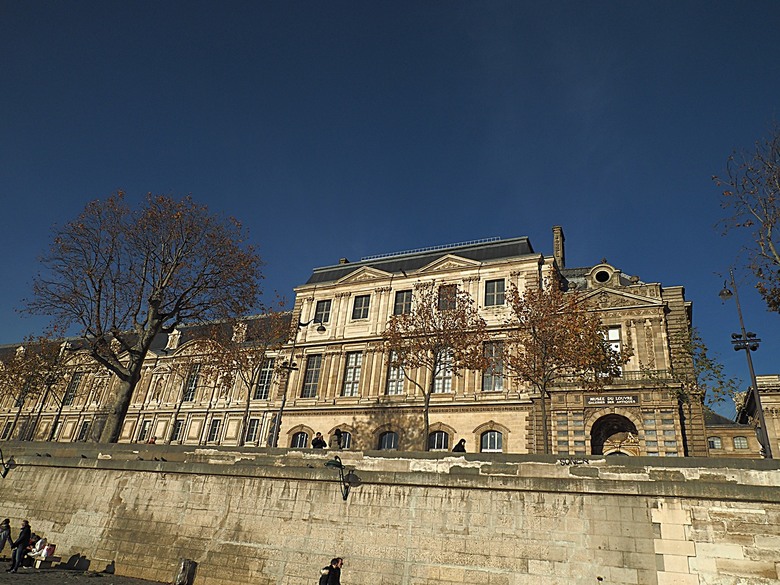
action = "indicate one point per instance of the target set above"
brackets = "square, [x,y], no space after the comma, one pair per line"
[343,261]
[558,250]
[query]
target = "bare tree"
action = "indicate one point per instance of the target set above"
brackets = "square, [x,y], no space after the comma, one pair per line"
[122,276]
[751,194]
[29,372]
[240,353]
[553,337]
[441,335]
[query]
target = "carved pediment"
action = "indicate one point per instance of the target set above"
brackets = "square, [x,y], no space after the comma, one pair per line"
[610,298]
[447,263]
[364,274]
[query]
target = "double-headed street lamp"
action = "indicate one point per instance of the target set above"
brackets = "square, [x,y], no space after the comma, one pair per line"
[748,341]
[290,365]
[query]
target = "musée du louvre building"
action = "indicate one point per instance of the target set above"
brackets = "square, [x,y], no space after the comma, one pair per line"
[341,378]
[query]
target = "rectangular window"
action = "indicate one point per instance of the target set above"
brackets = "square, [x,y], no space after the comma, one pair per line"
[263,388]
[178,425]
[311,377]
[612,335]
[360,307]
[7,430]
[251,430]
[322,312]
[83,431]
[403,302]
[395,378]
[448,297]
[144,434]
[191,383]
[73,388]
[493,376]
[352,373]
[443,380]
[214,430]
[494,292]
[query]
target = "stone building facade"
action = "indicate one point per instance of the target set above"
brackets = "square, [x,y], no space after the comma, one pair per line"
[336,374]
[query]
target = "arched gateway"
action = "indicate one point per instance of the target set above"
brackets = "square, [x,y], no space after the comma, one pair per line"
[614,434]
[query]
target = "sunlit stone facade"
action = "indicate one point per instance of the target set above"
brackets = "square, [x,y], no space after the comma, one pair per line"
[341,379]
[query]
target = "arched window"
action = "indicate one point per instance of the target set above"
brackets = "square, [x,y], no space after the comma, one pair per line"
[438,441]
[714,443]
[346,439]
[492,441]
[388,440]
[300,440]
[740,443]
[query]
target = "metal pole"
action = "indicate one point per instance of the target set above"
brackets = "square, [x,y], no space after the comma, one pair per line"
[763,436]
[289,367]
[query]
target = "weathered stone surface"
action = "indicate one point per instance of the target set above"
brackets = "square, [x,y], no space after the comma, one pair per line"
[267,518]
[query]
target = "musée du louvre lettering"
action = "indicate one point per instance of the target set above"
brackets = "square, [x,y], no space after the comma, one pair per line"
[335,371]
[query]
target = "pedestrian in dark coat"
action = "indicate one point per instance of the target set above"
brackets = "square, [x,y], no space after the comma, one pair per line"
[20,547]
[334,574]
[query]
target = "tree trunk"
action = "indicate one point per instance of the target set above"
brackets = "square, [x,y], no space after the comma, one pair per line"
[56,421]
[545,430]
[40,411]
[426,422]
[116,416]
[245,418]
[16,418]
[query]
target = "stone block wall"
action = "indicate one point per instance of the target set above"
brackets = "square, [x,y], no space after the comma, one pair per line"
[277,516]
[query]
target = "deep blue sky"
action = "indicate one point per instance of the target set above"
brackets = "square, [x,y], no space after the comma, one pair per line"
[354,128]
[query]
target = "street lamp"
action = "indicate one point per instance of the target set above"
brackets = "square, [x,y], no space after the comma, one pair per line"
[290,366]
[347,480]
[747,340]
[6,466]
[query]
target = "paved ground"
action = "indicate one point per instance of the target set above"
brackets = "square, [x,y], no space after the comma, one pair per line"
[29,576]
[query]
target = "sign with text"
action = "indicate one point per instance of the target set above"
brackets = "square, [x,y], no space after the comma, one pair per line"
[611,400]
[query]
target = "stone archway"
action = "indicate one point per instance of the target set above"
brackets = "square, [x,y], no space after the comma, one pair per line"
[614,434]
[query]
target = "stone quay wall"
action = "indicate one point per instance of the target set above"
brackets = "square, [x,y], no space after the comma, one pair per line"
[264,517]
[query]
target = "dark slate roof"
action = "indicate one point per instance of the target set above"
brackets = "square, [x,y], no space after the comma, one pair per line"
[410,261]
[713,419]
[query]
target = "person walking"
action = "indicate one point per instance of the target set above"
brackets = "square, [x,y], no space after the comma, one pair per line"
[331,575]
[20,545]
[5,534]
[460,447]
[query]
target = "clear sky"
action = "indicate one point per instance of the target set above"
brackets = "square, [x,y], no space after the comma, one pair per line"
[345,129]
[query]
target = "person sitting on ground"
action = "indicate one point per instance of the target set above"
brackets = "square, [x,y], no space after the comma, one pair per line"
[318,442]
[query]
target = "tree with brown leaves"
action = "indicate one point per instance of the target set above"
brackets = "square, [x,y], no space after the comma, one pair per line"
[554,337]
[440,336]
[34,369]
[240,353]
[121,276]
[751,193]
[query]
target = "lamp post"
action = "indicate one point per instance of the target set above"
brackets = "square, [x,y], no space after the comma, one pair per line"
[290,366]
[748,341]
